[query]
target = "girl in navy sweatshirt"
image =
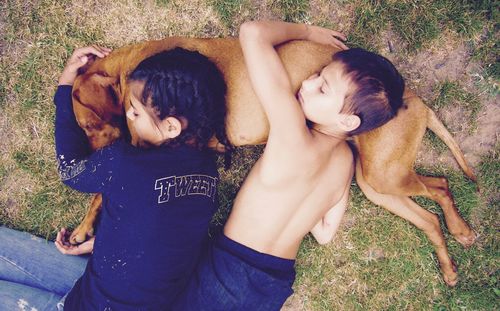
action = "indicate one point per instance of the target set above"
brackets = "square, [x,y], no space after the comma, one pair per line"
[158,197]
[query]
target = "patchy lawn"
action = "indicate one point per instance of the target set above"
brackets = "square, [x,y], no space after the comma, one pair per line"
[447,50]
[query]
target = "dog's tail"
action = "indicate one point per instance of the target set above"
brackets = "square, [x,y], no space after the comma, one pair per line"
[435,125]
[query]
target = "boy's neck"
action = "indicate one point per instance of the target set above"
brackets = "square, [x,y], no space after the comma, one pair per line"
[326,141]
[340,136]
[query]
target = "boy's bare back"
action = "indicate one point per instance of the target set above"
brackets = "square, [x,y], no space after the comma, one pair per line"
[283,198]
[304,171]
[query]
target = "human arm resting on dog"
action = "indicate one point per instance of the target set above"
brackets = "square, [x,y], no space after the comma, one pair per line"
[77,167]
[268,76]
[78,59]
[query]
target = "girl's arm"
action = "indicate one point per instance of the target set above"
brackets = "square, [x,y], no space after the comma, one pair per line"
[78,59]
[78,166]
[268,76]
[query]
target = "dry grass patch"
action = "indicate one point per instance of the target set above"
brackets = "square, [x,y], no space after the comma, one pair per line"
[128,21]
[333,14]
[378,261]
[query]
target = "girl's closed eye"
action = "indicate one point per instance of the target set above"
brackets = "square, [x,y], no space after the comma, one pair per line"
[134,111]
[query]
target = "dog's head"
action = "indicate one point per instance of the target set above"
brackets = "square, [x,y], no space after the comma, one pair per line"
[98,107]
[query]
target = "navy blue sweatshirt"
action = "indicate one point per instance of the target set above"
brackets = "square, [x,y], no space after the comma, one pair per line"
[157,205]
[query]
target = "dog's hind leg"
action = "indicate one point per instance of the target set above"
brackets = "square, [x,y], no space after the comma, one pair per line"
[428,222]
[434,188]
[437,190]
[86,227]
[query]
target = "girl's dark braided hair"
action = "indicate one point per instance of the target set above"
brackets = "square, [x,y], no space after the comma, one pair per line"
[183,83]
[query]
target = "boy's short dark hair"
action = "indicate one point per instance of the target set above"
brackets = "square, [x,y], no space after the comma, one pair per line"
[183,83]
[377,91]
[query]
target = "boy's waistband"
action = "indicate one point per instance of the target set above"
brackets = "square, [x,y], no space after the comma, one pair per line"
[257,259]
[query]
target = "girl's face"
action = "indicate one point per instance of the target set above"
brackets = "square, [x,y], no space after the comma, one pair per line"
[143,118]
[322,95]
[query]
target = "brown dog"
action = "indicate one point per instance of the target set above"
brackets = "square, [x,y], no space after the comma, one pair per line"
[384,168]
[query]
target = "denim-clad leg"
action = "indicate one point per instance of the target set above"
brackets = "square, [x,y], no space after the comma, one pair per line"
[33,273]
[15,296]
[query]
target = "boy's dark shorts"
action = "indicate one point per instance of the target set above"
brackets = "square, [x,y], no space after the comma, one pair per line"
[231,276]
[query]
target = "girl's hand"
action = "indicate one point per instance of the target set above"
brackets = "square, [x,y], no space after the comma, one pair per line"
[63,245]
[326,36]
[79,58]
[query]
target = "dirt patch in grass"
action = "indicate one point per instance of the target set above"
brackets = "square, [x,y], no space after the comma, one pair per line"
[293,303]
[14,188]
[424,71]
[6,134]
[483,138]
[263,10]
[428,67]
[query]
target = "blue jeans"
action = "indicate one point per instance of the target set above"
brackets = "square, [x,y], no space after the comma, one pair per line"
[34,275]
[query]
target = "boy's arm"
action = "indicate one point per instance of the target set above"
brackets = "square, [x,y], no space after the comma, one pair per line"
[325,229]
[268,76]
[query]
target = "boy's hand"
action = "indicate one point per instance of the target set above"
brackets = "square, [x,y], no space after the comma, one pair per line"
[63,245]
[79,58]
[326,36]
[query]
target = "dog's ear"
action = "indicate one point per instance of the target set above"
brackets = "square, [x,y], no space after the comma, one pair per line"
[90,117]
[91,59]
[110,84]
[99,93]
[104,79]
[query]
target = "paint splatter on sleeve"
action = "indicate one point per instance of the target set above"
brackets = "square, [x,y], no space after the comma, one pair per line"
[78,167]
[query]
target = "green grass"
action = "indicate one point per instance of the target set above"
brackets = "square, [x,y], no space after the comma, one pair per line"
[369,21]
[487,51]
[490,170]
[291,10]
[52,207]
[377,261]
[488,8]
[437,144]
[227,9]
[162,3]
[418,23]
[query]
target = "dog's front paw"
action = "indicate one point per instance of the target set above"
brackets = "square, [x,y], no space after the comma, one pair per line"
[81,233]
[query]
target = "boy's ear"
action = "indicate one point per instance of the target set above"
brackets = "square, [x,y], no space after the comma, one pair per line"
[350,122]
[171,127]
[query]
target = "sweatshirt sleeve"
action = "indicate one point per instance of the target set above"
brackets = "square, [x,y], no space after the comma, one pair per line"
[78,166]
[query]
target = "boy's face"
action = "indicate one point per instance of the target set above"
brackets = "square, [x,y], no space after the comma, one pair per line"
[322,95]
[143,118]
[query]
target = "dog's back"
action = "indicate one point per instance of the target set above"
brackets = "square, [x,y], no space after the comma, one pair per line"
[246,122]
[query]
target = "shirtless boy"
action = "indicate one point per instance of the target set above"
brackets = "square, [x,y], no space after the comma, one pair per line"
[301,182]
